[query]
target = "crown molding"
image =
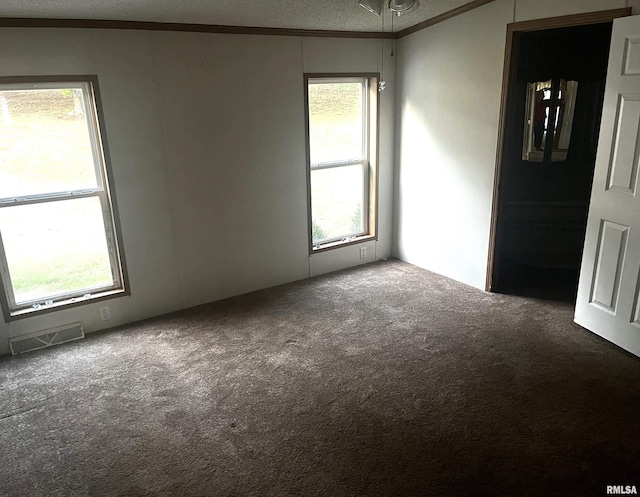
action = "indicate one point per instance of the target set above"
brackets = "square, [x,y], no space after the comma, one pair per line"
[442,17]
[28,22]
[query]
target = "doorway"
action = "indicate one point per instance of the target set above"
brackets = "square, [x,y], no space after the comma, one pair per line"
[552,105]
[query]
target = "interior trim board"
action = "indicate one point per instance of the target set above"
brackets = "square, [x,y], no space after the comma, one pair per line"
[509,73]
[28,22]
[442,17]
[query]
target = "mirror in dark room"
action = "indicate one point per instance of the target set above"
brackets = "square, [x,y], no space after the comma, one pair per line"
[549,115]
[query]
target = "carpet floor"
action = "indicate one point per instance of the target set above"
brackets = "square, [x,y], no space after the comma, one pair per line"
[383,380]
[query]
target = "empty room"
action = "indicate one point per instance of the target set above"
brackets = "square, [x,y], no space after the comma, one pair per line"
[333,248]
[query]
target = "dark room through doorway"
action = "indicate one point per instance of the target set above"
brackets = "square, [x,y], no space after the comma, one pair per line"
[552,121]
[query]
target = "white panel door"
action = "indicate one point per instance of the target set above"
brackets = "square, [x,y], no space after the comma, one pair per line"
[608,293]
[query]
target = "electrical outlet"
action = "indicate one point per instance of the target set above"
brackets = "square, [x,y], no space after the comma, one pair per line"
[105,313]
[363,252]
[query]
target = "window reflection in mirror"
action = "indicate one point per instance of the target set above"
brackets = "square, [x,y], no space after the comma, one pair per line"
[550,106]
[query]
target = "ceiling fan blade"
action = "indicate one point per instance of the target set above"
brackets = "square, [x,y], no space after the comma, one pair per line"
[373,6]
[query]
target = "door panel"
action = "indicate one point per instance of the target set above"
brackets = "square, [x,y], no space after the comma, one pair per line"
[609,261]
[631,55]
[608,302]
[624,164]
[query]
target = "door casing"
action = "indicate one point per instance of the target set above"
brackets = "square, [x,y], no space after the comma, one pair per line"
[509,74]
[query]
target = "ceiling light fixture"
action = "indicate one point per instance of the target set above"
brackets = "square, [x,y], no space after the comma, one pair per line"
[398,7]
[401,7]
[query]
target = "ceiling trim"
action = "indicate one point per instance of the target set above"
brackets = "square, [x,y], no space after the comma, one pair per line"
[442,17]
[32,22]
[29,22]
[596,17]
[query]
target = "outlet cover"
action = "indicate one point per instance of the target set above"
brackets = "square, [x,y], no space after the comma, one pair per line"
[105,313]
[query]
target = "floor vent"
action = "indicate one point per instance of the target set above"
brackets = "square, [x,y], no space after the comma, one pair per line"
[46,338]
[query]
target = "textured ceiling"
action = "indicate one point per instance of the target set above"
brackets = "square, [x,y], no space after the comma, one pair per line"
[340,15]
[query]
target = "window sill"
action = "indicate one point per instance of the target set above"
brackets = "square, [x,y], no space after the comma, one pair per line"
[64,304]
[342,243]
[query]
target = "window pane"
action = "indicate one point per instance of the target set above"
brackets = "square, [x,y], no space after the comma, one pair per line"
[44,143]
[55,248]
[337,195]
[335,122]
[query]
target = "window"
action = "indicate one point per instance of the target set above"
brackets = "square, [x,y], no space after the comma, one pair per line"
[342,141]
[58,237]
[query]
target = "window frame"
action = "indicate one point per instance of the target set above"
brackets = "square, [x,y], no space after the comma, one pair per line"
[103,190]
[368,161]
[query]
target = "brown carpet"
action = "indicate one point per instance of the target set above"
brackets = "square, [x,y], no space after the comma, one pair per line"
[385,380]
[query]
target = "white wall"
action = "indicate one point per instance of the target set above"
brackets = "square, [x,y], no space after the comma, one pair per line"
[206,136]
[449,83]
